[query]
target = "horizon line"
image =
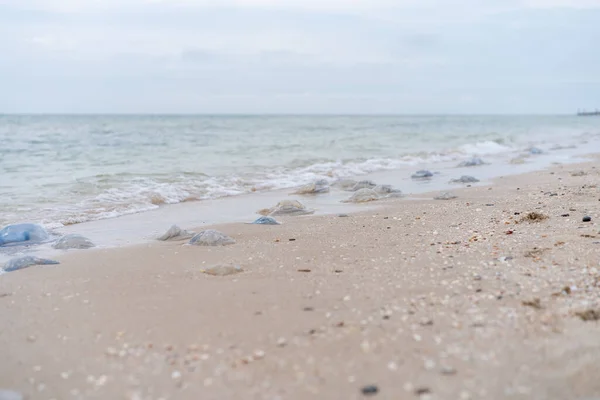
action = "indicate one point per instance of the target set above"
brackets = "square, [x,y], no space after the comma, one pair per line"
[251,114]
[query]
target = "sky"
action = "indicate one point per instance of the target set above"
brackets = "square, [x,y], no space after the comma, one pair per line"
[299,56]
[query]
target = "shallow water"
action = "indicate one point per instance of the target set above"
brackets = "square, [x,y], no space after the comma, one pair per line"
[59,170]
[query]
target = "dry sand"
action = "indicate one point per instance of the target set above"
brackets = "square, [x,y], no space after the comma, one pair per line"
[421,299]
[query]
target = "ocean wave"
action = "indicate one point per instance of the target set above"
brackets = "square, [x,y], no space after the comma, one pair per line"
[109,196]
[486,148]
[133,194]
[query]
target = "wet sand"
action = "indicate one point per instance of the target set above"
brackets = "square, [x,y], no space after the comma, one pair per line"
[420,298]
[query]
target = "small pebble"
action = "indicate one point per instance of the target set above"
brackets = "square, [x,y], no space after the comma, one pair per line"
[370,390]
[587,218]
[447,370]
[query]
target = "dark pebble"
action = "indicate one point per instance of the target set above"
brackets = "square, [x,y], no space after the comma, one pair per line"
[370,390]
[343,215]
[565,215]
[292,240]
[422,390]
[587,218]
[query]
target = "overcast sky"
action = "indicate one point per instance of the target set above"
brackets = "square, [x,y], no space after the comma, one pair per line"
[299,56]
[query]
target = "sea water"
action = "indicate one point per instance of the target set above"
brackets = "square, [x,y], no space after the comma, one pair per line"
[61,171]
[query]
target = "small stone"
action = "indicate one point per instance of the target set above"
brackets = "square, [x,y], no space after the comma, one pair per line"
[343,215]
[447,370]
[176,375]
[111,351]
[587,218]
[369,390]
[429,365]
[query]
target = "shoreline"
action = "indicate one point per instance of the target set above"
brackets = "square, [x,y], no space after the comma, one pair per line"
[129,197]
[144,227]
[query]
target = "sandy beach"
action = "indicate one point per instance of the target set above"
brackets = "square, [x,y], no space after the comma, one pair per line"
[470,298]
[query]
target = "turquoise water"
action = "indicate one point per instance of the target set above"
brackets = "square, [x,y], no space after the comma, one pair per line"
[60,170]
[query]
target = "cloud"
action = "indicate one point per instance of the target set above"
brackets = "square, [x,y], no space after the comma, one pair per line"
[298,56]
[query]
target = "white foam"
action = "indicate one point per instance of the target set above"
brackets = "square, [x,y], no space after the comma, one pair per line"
[486,148]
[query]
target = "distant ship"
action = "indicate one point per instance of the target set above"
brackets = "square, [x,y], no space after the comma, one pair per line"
[588,113]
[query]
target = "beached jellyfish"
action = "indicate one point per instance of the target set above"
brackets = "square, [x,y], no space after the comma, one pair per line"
[320,186]
[287,208]
[27,261]
[535,150]
[223,270]
[422,174]
[366,184]
[345,184]
[10,395]
[362,196]
[211,237]
[465,179]
[473,162]
[265,221]
[73,241]
[19,233]
[175,233]
[445,196]
[387,190]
